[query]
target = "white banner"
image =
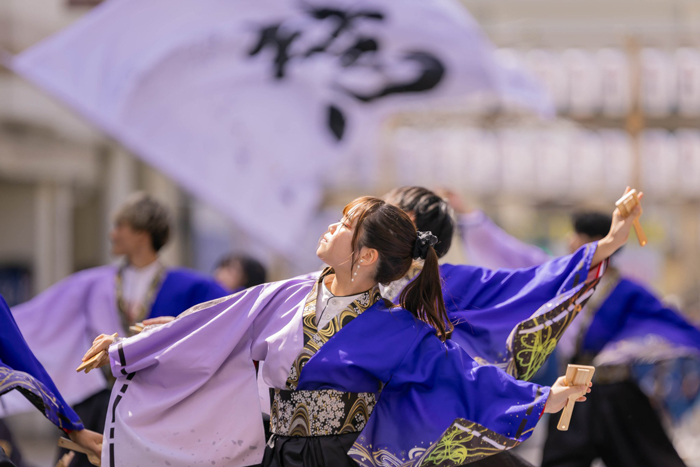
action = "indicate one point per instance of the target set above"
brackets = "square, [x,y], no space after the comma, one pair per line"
[251,104]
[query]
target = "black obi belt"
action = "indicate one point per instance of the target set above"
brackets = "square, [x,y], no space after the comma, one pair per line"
[319,413]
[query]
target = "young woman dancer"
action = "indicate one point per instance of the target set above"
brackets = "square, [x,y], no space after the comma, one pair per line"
[357,380]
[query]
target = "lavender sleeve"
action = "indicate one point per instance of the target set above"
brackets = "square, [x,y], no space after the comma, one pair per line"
[198,368]
[489,246]
[249,315]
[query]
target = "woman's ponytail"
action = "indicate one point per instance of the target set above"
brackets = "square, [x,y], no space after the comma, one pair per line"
[423,296]
[392,233]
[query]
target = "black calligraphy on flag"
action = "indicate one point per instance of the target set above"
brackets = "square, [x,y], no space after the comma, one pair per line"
[279,37]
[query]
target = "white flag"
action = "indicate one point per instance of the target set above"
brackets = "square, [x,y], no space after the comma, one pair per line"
[252,105]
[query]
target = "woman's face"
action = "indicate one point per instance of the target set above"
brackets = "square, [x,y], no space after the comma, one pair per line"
[335,246]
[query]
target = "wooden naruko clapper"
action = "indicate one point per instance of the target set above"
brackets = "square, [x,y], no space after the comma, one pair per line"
[576,375]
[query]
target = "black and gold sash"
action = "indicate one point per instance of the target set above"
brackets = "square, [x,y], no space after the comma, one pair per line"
[320,412]
[314,338]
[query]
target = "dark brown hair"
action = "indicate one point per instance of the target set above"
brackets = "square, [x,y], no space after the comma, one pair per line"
[391,232]
[431,213]
[594,224]
[254,271]
[143,213]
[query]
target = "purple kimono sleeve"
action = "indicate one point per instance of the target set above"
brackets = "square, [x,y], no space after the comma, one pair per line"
[20,370]
[440,408]
[514,318]
[187,389]
[59,325]
[633,326]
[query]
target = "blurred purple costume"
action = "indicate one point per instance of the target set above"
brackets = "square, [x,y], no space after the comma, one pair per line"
[60,323]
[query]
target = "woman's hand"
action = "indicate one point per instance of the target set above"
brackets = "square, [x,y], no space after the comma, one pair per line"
[89,440]
[619,232]
[101,342]
[560,393]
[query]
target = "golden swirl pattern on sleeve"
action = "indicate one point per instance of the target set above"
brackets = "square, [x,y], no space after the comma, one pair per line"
[534,340]
[462,443]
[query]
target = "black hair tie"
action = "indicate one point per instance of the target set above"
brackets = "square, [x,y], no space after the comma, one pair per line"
[423,243]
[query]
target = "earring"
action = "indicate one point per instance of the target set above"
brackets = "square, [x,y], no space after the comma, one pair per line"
[353,276]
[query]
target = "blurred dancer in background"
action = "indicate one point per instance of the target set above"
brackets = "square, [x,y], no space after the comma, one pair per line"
[59,323]
[235,272]
[623,323]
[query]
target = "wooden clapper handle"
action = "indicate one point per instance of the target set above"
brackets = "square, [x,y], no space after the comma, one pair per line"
[641,236]
[68,444]
[576,375]
[94,359]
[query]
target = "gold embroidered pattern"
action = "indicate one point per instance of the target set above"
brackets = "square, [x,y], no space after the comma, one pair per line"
[533,340]
[34,390]
[465,441]
[314,338]
[319,413]
[462,443]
